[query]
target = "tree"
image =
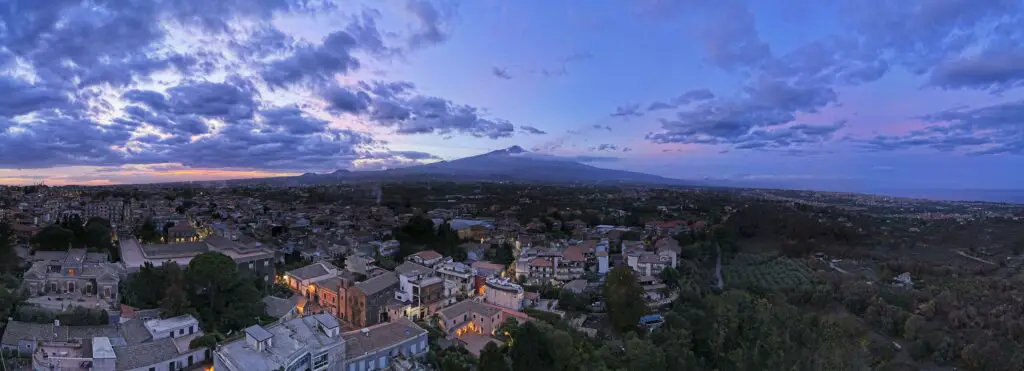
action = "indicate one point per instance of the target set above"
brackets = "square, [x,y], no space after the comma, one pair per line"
[147,233]
[53,238]
[8,257]
[642,355]
[492,359]
[175,299]
[226,300]
[98,236]
[531,351]
[624,299]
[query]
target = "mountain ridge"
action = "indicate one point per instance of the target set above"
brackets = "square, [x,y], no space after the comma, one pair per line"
[512,164]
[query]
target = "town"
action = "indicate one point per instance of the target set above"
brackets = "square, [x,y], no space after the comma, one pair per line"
[409,276]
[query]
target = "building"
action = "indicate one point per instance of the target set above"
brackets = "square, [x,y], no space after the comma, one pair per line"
[475,317]
[252,258]
[135,345]
[459,276]
[316,343]
[307,343]
[302,280]
[427,258]
[368,300]
[503,293]
[419,291]
[380,346]
[332,294]
[75,275]
[182,232]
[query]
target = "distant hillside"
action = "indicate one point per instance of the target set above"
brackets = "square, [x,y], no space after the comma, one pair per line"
[513,164]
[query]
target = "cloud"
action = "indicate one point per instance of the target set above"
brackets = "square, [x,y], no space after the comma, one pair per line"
[19,97]
[627,111]
[205,84]
[595,158]
[554,69]
[953,44]
[315,64]
[501,73]
[696,95]
[742,122]
[987,130]
[995,70]
[531,130]
[432,23]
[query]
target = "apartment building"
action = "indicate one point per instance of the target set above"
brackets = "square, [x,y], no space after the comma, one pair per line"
[420,289]
[459,276]
[316,343]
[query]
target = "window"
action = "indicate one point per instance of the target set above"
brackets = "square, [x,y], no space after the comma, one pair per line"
[181,332]
[152,369]
[190,360]
[170,366]
[191,329]
[320,362]
[381,362]
[266,263]
[252,265]
[171,334]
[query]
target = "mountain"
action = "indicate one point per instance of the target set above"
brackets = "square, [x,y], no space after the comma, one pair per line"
[512,164]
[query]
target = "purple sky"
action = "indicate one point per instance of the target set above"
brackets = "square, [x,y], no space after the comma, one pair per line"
[862,94]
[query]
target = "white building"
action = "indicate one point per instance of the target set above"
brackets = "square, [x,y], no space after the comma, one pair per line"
[316,343]
[503,293]
[460,275]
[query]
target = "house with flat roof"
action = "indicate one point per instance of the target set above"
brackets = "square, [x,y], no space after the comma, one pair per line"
[316,343]
[73,275]
[135,345]
[252,258]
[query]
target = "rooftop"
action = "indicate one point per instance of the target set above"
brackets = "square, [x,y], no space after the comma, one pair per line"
[157,326]
[374,338]
[290,338]
[469,306]
[410,268]
[312,271]
[377,283]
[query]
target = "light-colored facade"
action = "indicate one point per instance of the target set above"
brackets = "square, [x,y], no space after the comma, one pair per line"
[74,275]
[460,275]
[316,343]
[503,293]
[252,258]
[132,346]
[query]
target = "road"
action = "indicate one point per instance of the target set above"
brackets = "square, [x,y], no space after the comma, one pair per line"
[718,267]
[961,253]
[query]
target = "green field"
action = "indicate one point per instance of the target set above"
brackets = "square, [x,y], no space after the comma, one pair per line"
[765,271]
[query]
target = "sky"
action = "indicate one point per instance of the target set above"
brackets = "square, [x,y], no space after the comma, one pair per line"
[855,94]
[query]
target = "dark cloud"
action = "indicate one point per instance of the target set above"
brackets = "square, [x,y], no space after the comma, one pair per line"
[397,105]
[766,104]
[501,73]
[344,100]
[605,147]
[55,140]
[19,97]
[433,22]
[531,130]
[292,120]
[440,116]
[627,111]
[603,127]
[696,95]
[315,64]
[981,131]
[996,70]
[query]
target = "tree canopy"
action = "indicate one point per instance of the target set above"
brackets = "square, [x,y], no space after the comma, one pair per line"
[210,287]
[623,298]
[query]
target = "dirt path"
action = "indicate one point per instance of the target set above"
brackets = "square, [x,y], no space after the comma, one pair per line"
[975,258]
[718,267]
